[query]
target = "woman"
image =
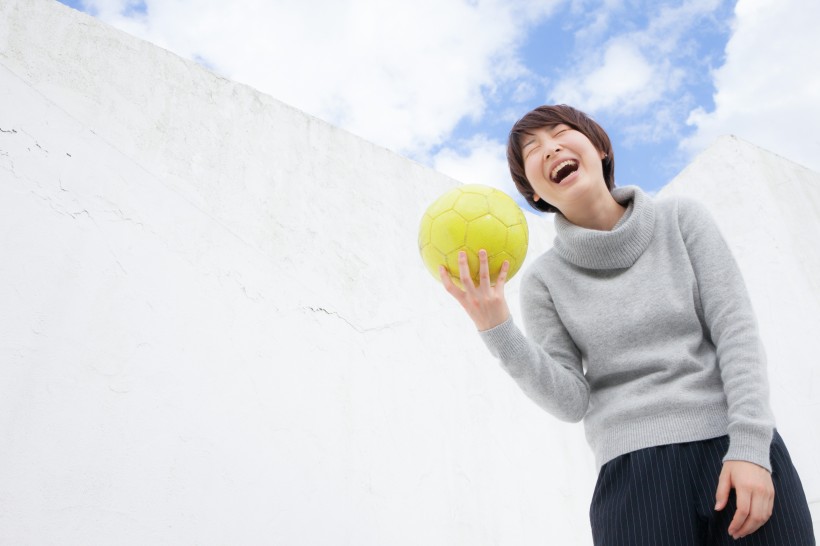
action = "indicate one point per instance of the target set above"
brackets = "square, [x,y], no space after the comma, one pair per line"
[639,323]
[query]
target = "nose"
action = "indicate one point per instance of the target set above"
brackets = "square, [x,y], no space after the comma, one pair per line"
[550,150]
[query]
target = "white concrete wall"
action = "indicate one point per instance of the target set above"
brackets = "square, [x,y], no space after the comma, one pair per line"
[216,328]
[768,208]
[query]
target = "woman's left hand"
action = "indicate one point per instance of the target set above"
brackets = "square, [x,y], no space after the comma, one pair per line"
[754,493]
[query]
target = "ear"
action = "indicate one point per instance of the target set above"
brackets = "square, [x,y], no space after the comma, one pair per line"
[535,197]
[603,155]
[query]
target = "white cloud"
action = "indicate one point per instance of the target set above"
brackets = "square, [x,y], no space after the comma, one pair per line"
[768,90]
[479,160]
[624,81]
[524,91]
[599,15]
[659,126]
[666,30]
[401,74]
[634,72]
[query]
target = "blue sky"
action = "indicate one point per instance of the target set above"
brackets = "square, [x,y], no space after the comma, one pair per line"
[645,156]
[442,81]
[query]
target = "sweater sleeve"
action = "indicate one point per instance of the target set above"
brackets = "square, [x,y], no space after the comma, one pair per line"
[730,321]
[547,364]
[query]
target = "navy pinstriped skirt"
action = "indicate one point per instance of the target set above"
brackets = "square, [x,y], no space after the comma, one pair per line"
[665,496]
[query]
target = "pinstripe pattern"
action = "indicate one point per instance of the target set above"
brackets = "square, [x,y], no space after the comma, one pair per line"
[665,496]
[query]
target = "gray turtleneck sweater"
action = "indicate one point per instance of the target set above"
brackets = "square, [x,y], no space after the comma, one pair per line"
[645,332]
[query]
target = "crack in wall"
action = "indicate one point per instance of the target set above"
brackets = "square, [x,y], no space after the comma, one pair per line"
[121,215]
[9,166]
[56,207]
[79,213]
[349,323]
[8,161]
[32,137]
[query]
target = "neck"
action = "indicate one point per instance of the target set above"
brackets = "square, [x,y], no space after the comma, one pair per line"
[599,212]
[608,249]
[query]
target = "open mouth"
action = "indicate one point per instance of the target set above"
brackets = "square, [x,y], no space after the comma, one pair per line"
[563,170]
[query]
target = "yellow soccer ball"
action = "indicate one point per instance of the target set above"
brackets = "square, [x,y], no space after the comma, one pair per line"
[470,218]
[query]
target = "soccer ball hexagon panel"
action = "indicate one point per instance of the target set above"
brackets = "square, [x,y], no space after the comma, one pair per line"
[470,218]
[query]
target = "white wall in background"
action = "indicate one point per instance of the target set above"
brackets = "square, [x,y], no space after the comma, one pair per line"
[768,208]
[215,327]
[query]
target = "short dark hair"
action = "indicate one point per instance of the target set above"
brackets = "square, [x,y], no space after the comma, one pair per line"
[550,116]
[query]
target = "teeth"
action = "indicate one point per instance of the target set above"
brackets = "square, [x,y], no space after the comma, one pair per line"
[560,166]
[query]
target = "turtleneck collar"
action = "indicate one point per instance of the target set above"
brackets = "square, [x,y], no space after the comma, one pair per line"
[615,249]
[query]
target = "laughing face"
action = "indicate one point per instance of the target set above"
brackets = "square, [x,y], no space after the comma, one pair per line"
[561,164]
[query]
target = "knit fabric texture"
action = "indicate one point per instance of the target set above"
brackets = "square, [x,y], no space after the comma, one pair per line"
[646,332]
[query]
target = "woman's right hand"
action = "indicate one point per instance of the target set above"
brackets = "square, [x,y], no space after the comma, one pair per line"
[484,303]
